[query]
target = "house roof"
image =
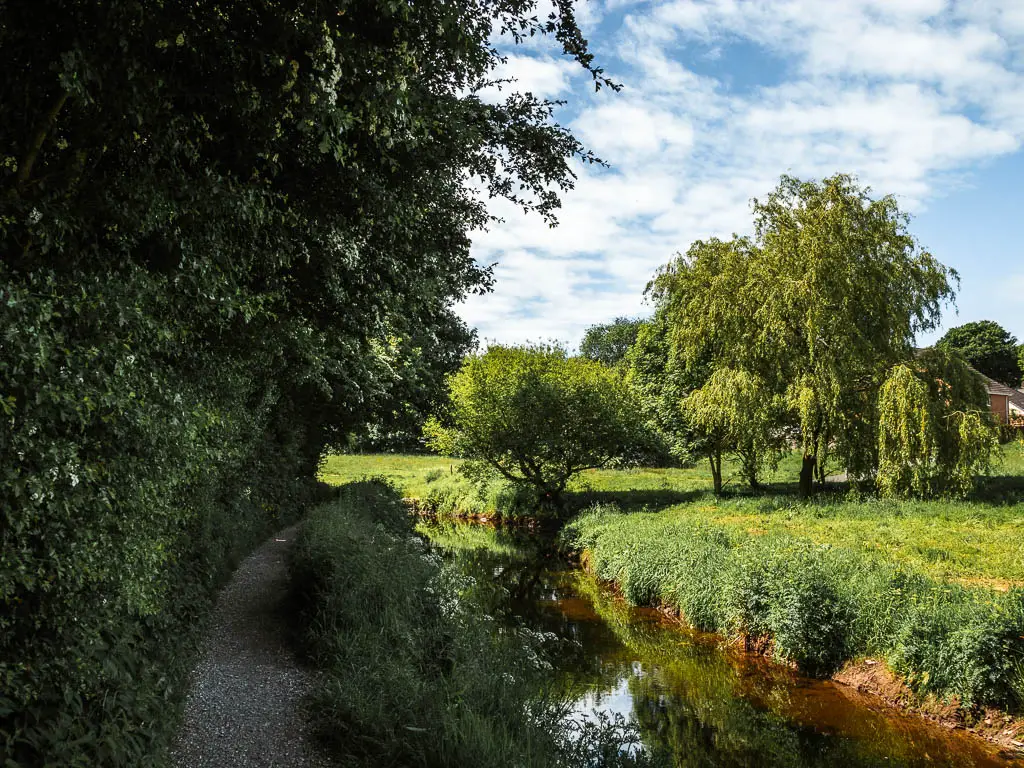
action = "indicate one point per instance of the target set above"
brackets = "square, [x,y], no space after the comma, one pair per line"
[1015,396]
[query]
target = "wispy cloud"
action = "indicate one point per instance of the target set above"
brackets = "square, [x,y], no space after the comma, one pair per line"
[905,93]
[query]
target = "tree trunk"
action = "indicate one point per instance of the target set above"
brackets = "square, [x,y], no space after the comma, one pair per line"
[807,471]
[715,457]
[552,501]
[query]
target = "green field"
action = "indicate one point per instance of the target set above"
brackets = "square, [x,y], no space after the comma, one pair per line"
[976,541]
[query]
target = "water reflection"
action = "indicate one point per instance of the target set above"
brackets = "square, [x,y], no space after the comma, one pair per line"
[702,702]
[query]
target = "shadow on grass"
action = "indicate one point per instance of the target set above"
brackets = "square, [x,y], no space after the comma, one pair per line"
[659,498]
[999,490]
[634,500]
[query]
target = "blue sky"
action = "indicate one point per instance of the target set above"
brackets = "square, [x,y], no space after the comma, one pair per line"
[923,99]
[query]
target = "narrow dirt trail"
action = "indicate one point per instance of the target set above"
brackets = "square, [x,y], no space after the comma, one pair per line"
[245,703]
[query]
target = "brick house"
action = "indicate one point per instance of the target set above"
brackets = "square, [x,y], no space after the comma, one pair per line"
[1007,403]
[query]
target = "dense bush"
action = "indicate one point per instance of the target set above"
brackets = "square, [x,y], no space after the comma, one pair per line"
[536,418]
[815,605]
[411,673]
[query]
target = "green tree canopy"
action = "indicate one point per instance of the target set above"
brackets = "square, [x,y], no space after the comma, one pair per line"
[536,417]
[610,342]
[936,431]
[661,381]
[988,347]
[818,305]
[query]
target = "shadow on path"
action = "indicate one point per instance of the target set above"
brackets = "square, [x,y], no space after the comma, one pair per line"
[245,705]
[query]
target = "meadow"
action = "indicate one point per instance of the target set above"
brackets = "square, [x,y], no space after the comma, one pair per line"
[976,541]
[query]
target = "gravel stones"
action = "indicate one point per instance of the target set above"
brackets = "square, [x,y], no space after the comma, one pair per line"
[245,706]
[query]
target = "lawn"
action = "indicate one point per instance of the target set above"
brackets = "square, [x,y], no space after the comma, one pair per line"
[977,541]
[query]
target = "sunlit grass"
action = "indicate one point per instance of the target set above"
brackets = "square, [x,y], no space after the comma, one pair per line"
[978,541]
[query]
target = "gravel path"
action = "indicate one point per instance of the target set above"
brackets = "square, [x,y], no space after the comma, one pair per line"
[245,704]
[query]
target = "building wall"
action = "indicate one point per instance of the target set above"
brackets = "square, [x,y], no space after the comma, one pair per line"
[1000,406]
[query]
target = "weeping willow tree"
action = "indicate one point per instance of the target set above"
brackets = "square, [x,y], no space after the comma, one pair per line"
[935,428]
[736,413]
[819,304]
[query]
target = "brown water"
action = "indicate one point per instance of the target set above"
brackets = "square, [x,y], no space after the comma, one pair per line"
[702,701]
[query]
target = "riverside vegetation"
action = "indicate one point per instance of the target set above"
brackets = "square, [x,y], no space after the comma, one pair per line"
[408,657]
[190,322]
[933,588]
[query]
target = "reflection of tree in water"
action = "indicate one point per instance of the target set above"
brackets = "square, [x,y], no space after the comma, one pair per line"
[689,698]
[519,579]
[708,728]
[501,568]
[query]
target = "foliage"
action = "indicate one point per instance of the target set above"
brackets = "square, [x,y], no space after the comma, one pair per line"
[536,417]
[408,673]
[609,343]
[661,381]
[816,605]
[230,235]
[735,412]
[819,304]
[936,431]
[988,347]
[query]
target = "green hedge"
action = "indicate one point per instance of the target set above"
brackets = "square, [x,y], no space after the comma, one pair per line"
[817,606]
[412,672]
[135,472]
[216,261]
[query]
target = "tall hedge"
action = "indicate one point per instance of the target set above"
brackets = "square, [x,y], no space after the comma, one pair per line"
[230,234]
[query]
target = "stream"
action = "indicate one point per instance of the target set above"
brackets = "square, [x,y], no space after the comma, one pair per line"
[690,693]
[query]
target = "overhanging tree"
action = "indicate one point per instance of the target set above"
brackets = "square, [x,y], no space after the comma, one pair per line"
[230,234]
[819,304]
[735,414]
[536,417]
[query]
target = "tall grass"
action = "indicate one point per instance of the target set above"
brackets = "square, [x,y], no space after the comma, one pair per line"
[411,673]
[816,605]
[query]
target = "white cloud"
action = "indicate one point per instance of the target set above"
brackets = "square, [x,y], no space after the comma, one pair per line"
[906,94]
[628,129]
[545,77]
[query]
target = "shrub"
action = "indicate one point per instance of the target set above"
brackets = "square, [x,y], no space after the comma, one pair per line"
[535,417]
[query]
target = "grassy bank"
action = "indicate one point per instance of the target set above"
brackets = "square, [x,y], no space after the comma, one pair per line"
[437,485]
[973,542]
[411,673]
[816,605]
[935,588]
